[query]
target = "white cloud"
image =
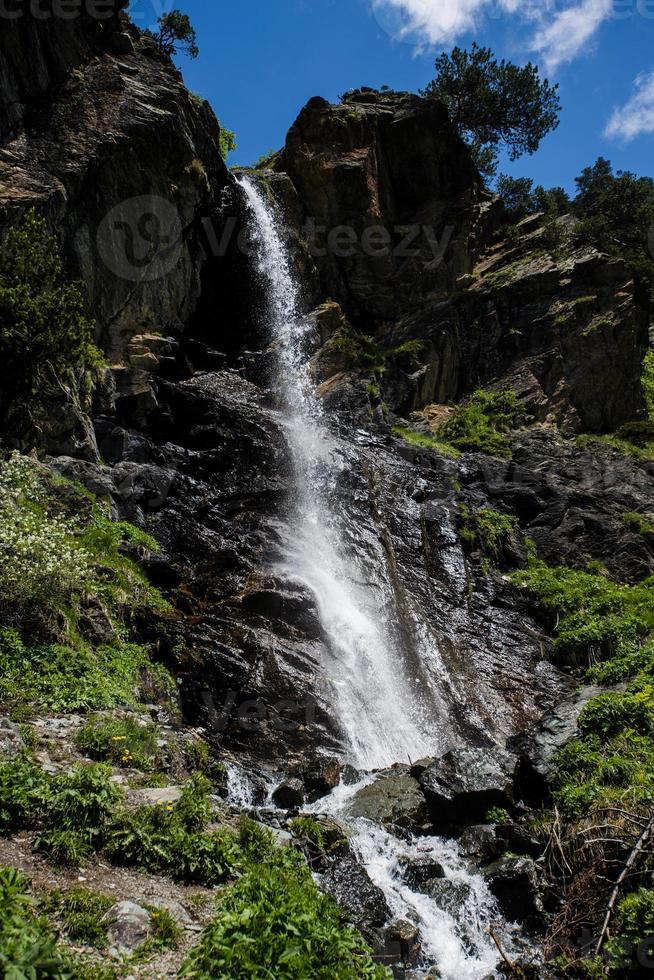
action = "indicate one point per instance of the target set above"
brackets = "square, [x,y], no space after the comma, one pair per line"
[559,35]
[636,116]
[437,21]
[570,31]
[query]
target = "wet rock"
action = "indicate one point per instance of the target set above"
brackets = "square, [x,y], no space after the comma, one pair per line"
[321,777]
[289,795]
[466,783]
[482,843]
[514,883]
[129,926]
[335,834]
[11,743]
[538,748]
[448,895]
[392,801]
[416,871]
[350,886]
[405,936]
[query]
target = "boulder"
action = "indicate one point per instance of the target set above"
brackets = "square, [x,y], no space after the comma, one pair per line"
[11,742]
[289,795]
[394,801]
[351,887]
[481,842]
[465,784]
[448,895]
[321,777]
[128,927]
[514,883]
[416,871]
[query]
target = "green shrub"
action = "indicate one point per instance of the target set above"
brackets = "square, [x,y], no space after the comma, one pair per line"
[591,613]
[275,923]
[166,931]
[83,800]
[44,332]
[498,816]
[483,423]
[612,713]
[171,839]
[121,741]
[66,848]
[487,529]
[634,927]
[24,790]
[28,947]
[307,829]
[639,523]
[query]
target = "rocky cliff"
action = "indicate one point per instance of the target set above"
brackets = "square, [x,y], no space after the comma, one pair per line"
[417,295]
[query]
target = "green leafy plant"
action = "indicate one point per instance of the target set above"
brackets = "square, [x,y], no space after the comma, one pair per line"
[640,523]
[166,931]
[66,848]
[422,441]
[275,923]
[227,142]
[82,913]
[484,422]
[121,741]
[44,332]
[486,529]
[635,926]
[498,816]
[28,946]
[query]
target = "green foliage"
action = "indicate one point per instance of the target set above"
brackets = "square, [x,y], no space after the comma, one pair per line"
[66,848]
[266,160]
[495,104]
[486,529]
[227,142]
[648,383]
[483,423]
[275,923]
[307,829]
[121,741]
[28,946]
[593,615]
[43,330]
[171,839]
[521,198]
[61,555]
[422,441]
[638,522]
[616,212]
[24,789]
[635,926]
[175,35]
[167,933]
[82,914]
[498,816]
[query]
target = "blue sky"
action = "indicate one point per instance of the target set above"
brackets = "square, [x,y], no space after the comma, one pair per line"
[261,61]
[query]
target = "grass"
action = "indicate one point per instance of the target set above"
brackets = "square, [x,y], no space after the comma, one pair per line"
[484,423]
[421,441]
[640,523]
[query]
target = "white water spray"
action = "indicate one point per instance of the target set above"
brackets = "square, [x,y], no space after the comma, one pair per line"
[379,707]
[377,701]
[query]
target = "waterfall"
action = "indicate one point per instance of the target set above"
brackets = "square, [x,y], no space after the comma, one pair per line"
[385,713]
[381,709]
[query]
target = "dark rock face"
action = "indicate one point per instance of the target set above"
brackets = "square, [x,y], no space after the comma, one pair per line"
[389,162]
[289,795]
[466,783]
[537,749]
[514,883]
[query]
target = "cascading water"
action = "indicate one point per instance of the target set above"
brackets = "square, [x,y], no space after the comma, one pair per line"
[386,713]
[382,715]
